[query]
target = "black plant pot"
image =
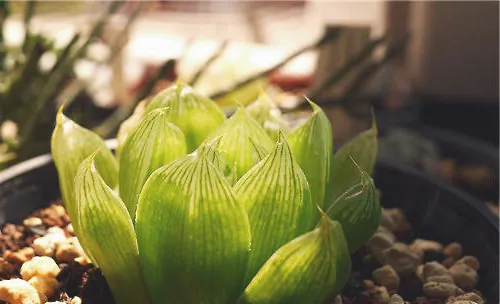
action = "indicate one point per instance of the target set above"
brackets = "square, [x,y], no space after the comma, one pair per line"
[465,150]
[436,210]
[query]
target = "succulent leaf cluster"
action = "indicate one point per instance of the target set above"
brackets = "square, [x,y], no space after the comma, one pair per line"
[200,208]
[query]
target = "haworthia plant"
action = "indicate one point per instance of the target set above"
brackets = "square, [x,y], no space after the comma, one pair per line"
[312,145]
[155,142]
[194,236]
[363,149]
[237,134]
[358,210]
[195,115]
[276,196]
[309,269]
[70,145]
[106,226]
[233,221]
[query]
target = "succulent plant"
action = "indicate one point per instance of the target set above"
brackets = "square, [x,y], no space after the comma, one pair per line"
[204,209]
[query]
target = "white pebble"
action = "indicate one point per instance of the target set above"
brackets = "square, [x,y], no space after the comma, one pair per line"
[47,286]
[40,266]
[17,291]
[32,222]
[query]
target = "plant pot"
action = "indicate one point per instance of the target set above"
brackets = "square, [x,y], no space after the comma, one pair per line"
[464,152]
[436,210]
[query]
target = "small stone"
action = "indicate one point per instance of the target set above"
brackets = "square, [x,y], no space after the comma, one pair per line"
[471,261]
[68,251]
[470,296]
[47,244]
[464,276]
[441,290]
[448,262]
[40,266]
[380,294]
[420,272]
[69,229]
[47,286]
[444,278]
[387,277]
[20,256]
[396,299]
[453,250]
[369,284]
[420,246]
[464,302]
[77,300]
[394,220]
[336,300]
[33,222]
[7,269]
[401,259]
[17,291]
[434,269]
[379,242]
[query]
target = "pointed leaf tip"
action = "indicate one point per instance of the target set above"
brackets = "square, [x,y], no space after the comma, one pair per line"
[309,269]
[237,134]
[357,210]
[277,198]
[105,226]
[155,142]
[312,144]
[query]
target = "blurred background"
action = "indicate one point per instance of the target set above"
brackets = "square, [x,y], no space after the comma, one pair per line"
[428,70]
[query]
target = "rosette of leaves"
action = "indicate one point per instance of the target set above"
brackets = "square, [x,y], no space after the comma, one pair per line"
[236,219]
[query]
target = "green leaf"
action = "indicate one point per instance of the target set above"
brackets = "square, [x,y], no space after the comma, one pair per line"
[154,143]
[358,211]
[195,115]
[129,125]
[309,269]
[363,149]
[276,196]
[268,115]
[237,134]
[108,234]
[70,145]
[193,235]
[311,144]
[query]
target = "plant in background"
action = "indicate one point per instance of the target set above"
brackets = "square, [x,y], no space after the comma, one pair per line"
[204,209]
[31,91]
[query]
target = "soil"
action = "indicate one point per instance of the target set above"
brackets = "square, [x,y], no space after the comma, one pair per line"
[88,284]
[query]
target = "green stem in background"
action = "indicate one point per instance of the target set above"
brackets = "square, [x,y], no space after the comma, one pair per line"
[59,75]
[220,50]
[329,36]
[28,14]
[4,13]
[110,125]
[78,86]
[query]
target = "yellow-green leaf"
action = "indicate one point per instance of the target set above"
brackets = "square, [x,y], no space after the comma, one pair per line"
[358,211]
[155,142]
[363,149]
[312,145]
[108,234]
[309,269]
[193,235]
[70,145]
[276,196]
[268,115]
[195,115]
[129,125]
[237,134]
